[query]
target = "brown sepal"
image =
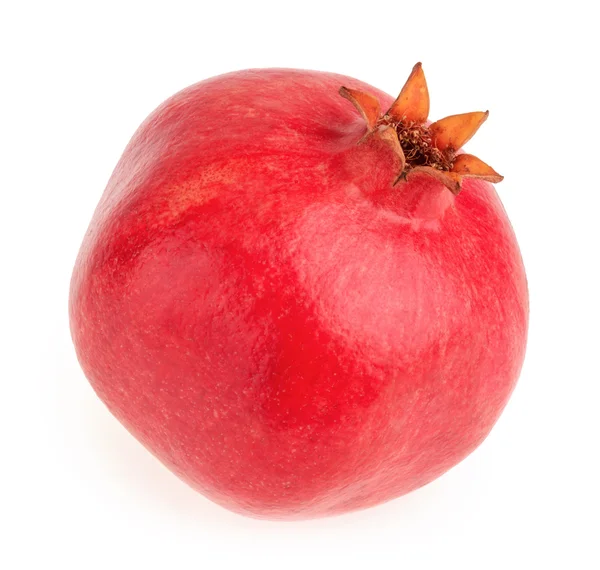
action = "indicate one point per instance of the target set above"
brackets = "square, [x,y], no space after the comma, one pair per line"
[412,105]
[470,166]
[450,180]
[454,131]
[367,105]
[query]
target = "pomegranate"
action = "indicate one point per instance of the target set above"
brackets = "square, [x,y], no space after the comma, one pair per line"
[301,306]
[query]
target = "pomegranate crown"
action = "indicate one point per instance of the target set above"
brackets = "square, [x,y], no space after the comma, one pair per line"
[421,148]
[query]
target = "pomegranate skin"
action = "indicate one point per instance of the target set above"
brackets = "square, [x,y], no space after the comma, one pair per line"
[289,333]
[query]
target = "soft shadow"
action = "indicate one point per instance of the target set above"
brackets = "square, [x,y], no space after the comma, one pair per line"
[147,478]
[122,458]
[143,475]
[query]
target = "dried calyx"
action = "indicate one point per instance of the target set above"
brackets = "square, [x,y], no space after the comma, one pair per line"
[429,149]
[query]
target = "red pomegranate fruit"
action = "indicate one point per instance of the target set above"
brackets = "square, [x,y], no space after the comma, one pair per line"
[301,306]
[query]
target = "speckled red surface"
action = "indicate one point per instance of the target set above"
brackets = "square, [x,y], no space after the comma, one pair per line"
[288,333]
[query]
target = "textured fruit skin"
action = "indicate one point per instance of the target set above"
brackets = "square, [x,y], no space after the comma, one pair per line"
[282,328]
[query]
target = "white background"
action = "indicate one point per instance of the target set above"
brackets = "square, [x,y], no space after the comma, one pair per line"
[77,491]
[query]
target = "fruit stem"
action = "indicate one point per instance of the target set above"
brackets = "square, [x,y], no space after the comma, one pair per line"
[432,149]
